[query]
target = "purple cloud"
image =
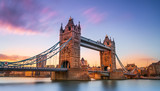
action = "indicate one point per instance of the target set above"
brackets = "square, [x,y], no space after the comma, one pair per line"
[24,16]
[93,16]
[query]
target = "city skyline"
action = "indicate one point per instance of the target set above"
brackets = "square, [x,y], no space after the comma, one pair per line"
[26,24]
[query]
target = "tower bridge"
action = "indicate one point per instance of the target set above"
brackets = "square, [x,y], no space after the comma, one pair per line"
[69,57]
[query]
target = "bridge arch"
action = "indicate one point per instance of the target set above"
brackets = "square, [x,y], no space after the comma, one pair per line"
[65,64]
[105,68]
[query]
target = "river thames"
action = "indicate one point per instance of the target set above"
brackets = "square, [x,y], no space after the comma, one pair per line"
[45,84]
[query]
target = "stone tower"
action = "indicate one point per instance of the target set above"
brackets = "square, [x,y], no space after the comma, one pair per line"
[69,57]
[107,57]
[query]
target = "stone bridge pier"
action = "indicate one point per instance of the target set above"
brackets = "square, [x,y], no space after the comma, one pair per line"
[69,57]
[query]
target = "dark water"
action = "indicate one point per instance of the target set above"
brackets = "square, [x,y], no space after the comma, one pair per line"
[44,84]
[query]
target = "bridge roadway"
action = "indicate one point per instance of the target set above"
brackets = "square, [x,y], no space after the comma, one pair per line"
[88,43]
[13,68]
[129,74]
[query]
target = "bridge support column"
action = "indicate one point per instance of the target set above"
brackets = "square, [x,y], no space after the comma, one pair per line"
[71,74]
[107,57]
[117,75]
[69,56]
[97,76]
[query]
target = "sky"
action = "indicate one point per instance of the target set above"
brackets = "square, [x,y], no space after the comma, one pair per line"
[28,27]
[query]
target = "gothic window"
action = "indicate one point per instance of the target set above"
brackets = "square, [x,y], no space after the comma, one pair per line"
[107,43]
[69,28]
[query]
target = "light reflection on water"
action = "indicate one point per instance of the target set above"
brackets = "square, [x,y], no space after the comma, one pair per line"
[44,84]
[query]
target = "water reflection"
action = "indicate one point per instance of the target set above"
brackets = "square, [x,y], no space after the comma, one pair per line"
[33,84]
[110,85]
[70,85]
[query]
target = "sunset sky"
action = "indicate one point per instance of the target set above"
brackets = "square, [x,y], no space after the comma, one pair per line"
[28,27]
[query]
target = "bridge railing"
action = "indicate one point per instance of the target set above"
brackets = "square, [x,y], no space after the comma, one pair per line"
[14,68]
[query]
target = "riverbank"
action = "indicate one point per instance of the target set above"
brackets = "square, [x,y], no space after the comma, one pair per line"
[150,78]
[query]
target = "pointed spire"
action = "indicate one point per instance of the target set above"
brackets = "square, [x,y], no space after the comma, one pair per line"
[70,22]
[113,40]
[61,26]
[61,29]
[79,26]
[70,18]
[106,36]
[82,59]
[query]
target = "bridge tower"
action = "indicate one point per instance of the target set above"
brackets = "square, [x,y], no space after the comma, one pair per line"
[69,56]
[107,57]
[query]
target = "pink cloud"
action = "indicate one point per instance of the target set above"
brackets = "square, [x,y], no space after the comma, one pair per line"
[47,14]
[4,57]
[93,16]
[10,29]
[29,17]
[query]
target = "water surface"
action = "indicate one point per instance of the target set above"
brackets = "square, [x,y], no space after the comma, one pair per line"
[45,84]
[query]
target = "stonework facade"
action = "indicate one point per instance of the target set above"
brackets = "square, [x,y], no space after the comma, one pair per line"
[131,67]
[107,57]
[69,57]
[154,69]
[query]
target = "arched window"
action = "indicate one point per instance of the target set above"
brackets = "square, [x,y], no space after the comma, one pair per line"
[107,43]
[65,64]
[105,68]
[69,28]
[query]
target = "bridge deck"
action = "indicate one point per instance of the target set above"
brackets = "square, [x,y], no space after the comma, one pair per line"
[85,42]
[92,71]
[10,68]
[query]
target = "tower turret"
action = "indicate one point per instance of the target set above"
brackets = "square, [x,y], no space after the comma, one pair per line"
[106,41]
[70,22]
[79,26]
[61,29]
[108,56]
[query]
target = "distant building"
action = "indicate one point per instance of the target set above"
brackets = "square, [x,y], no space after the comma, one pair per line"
[83,64]
[131,67]
[94,68]
[50,66]
[154,69]
[143,71]
[41,61]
